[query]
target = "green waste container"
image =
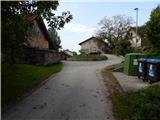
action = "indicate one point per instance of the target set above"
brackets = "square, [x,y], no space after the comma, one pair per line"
[131,63]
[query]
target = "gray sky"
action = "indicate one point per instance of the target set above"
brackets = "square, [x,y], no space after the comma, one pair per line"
[86,16]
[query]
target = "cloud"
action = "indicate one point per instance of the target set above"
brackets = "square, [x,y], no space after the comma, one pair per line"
[79,28]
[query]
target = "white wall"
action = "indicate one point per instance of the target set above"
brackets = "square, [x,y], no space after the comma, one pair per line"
[90,46]
[133,42]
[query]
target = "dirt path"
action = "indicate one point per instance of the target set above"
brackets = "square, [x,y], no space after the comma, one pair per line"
[76,93]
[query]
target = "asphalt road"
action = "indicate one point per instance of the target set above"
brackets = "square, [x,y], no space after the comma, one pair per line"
[75,93]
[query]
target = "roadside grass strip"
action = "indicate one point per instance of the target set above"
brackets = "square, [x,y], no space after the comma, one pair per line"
[20,78]
[88,58]
[143,104]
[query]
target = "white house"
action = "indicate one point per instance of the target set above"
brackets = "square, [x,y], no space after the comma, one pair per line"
[136,40]
[69,53]
[93,45]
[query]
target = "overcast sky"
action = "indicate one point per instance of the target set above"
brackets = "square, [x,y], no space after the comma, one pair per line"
[87,14]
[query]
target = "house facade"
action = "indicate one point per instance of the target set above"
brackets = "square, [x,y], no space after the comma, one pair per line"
[136,40]
[142,36]
[93,45]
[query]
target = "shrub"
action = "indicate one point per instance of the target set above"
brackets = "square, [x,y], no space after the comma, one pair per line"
[141,105]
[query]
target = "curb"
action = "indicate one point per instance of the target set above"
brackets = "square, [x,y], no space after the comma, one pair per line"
[111,81]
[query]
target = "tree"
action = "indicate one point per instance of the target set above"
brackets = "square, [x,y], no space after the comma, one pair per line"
[15,22]
[153,28]
[115,31]
[56,41]
[123,46]
[142,32]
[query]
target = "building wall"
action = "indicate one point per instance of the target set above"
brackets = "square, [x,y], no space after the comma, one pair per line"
[37,38]
[92,46]
[40,57]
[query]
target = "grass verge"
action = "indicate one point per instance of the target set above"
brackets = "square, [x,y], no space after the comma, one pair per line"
[113,87]
[20,78]
[139,105]
[113,67]
[88,58]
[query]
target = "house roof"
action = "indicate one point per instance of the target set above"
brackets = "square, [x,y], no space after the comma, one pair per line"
[45,31]
[141,30]
[91,39]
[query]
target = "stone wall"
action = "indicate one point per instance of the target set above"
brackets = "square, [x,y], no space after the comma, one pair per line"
[40,57]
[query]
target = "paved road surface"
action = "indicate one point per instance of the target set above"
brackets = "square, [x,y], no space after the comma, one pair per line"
[75,93]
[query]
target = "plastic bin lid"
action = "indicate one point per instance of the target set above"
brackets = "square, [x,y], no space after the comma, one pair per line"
[153,60]
[142,59]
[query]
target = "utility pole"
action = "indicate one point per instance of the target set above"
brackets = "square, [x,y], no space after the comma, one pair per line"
[136,9]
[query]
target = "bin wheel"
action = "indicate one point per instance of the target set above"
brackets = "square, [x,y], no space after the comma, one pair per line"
[150,81]
[145,79]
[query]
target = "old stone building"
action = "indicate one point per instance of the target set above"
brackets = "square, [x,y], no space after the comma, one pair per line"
[38,35]
[39,48]
[93,45]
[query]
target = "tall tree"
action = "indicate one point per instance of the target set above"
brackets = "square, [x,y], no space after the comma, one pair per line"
[153,28]
[115,31]
[15,22]
[55,38]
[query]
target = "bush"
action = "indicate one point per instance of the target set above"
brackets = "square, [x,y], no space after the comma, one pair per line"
[84,57]
[153,51]
[123,47]
[141,105]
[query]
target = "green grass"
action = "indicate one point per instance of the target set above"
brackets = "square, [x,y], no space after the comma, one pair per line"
[114,66]
[88,58]
[140,105]
[20,78]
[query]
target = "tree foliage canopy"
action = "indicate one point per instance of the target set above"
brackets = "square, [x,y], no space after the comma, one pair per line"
[15,22]
[116,31]
[55,38]
[153,28]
